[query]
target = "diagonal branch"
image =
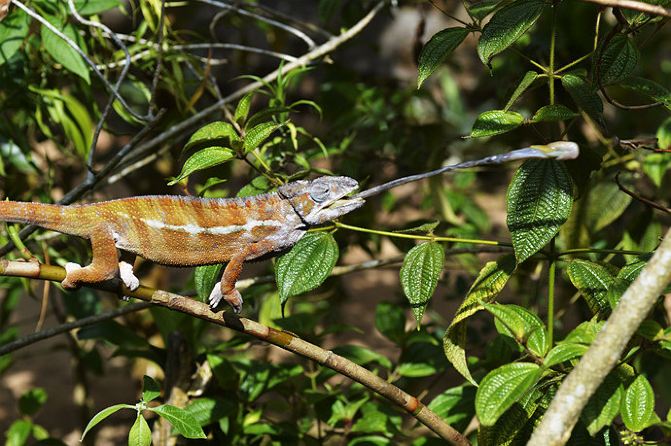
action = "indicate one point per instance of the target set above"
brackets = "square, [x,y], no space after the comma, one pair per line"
[634,5]
[283,339]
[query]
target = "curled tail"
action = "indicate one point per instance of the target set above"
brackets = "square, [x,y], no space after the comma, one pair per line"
[49,216]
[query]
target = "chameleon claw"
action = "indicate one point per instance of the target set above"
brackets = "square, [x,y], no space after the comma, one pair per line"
[233,298]
[70,268]
[127,277]
[215,297]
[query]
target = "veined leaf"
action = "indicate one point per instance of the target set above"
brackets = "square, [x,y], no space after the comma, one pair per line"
[181,420]
[495,122]
[487,286]
[213,134]
[106,412]
[90,7]
[584,96]
[563,352]
[604,405]
[618,60]
[555,112]
[593,281]
[638,405]
[139,434]
[525,327]
[526,81]
[150,389]
[608,202]
[539,201]
[655,166]
[502,387]
[206,277]
[437,49]
[242,109]
[663,135]
[13,30]
[62,52]
[648,88]
[204,159]
[507,25]
[480,10]
[630,271]
[255,136]
[420,273]
[307,265]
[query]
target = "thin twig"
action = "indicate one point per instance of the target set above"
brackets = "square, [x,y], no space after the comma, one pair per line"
[159,57]
[634,5]
[283,339]
[640,198]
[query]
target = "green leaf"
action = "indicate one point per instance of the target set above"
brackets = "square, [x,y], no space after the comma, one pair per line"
[437,49]
[307,265]
[539,201]
[362,355]
[139,434]
[489,283]
[648,88]
[18,433]
[630,271]
[242,109]
[608,202]
[507,25]
[593,281]
[150,389]
[455,406]
[106,412]
[213,134]
[618,60]
[584,333]
[480,10]
[564,352]
[604,405]
[255,136]
[390,321]
[502,387]
[90,7]
[181,420]
[638,405]
[32,401]
[62,52]
[420,273]
[655,166]
[524,326]
[664,135]
[12,32]
[495,122]
[203,159]
[210,410]
[526,81]
[584,96]
[552,113]
[416,369]
[206,278]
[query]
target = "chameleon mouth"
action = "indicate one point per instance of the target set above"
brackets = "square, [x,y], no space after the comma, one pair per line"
[347,202]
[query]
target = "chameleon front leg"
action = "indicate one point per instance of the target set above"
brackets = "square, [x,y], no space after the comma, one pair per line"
[226,288]
[104,262]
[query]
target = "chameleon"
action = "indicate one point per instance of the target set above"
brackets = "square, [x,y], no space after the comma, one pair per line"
[189,231]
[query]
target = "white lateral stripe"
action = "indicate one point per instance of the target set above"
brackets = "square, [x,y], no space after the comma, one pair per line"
[217,230]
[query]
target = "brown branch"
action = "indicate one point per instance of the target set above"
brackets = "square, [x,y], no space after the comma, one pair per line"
[635,196]
[634,5]
[279,338]
[558,422]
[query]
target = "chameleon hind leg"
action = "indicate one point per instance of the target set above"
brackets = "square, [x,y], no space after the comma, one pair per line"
[104,262]
[226,288]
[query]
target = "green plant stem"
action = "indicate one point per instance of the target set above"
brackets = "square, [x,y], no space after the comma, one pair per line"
[551,68]
[575,62]
[601,251]
[433,238]
[552,269]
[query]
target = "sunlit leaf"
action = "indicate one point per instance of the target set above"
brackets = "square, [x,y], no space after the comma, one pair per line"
[420,273]
[618,60]
[213,134]
[495,122]
[593,281]
[527,80]
[181,420]
[552,113]
[437,49]
[203,159]
[604,405]
[62,52]
[638,405]
[13,30]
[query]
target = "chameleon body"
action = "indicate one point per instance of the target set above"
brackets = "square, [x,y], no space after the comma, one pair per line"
[188,231]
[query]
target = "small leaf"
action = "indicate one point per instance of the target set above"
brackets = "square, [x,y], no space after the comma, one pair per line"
[584,333]
[526,81]
[362,355]
[181,420]
[32,401]
[655,166]
[618,60]
[480,10]
[455,406]
[210,410]
[584,96]
[502,387]
[90,7]
[307,265]
[437,49]
[420,273]
[242,109]
[206,278]
[664,135]
[390,321]
[564,352]
[648,88]
[593,281]
[106,412]
[489,283]
[630,271]
[608,203]
[539,201]
[524,326]
[212,134]
[552,113]
[139,434]
[62,52]
[257,134]
[507,25]
[495,122]
[150,389]
[18,432]
[638,405]
[13,30]
[604,405]
[203,159]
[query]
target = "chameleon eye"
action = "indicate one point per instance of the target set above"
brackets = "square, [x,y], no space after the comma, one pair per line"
[319,193]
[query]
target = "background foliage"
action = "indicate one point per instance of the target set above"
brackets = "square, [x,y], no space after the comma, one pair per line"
[500,277]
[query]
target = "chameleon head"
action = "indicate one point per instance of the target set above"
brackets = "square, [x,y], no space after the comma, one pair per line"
[321,200]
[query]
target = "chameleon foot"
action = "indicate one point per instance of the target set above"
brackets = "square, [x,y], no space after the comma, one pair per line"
[233,298]
[127,277]
[71,269]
